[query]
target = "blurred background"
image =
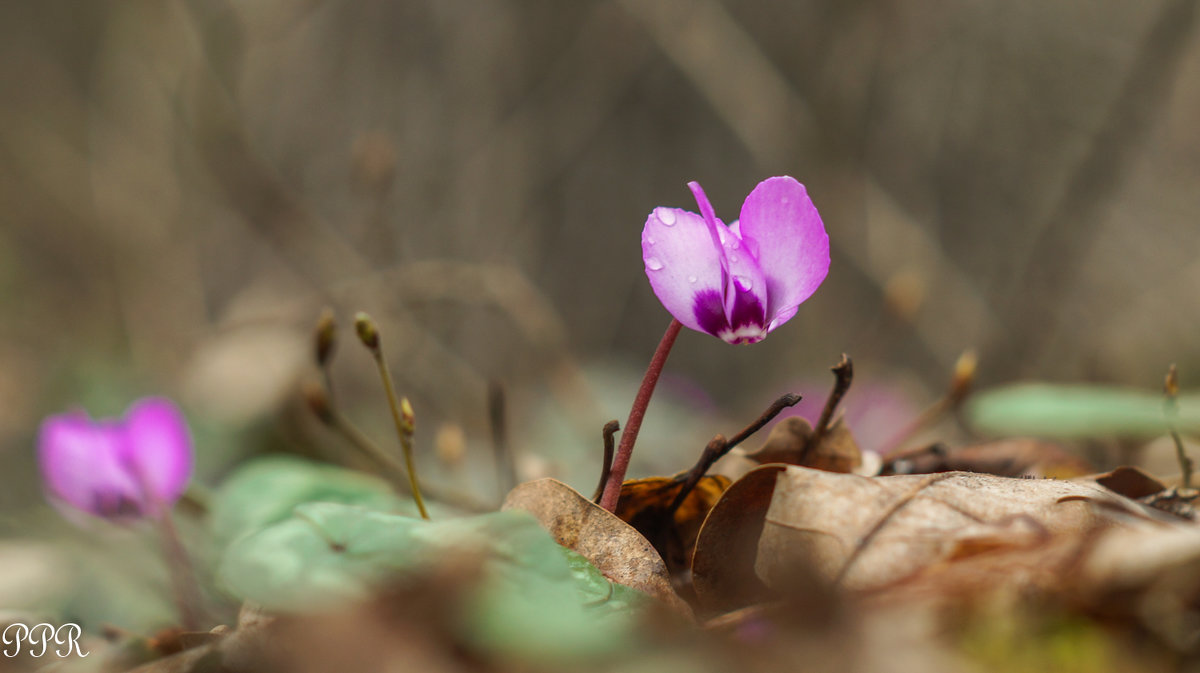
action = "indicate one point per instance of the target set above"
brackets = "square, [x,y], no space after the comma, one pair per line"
[186,183]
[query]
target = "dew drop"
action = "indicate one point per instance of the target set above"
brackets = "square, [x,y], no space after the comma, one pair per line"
[733,258]
[735,244]
[650,240]
[743,283]
[784,200]
[721,235]
[692,279]
[654,263]
[667,217]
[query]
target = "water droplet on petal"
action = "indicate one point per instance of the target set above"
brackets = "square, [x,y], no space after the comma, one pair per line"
[692,279]
[743,283]
[784,200]
[733,258]
[735,244]
[654,263]
[650,240]
[667,217]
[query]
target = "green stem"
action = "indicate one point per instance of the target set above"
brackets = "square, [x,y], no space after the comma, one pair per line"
[404,428]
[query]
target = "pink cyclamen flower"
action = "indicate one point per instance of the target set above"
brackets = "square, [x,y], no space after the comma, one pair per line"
[738,282]
[122,468]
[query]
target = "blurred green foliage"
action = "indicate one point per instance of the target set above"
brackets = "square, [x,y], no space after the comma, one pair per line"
[1077,411]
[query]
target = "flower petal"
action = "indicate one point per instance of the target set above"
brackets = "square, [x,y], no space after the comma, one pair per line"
[683,265]
[158,449]
[717,230]
[745,296]
[780,223]
[80,465]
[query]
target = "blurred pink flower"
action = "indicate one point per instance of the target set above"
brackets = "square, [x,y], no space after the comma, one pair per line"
[875,411]
[117,469]
[738,282]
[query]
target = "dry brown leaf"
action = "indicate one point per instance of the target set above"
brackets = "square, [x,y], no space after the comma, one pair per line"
[1126,561]
[621,553]
[871,532]
[734,464]
[837,450]
[232,647]
[1143,576]
[645,504]
[1136,484]
[1020,457]
[1031,566]
[723,563]
[1147,576]
[1130,482]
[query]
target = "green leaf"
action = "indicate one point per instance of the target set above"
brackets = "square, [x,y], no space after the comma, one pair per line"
[548,603]
[266,490]
[323,553]
[537,600]
[1076,411]
[596,591]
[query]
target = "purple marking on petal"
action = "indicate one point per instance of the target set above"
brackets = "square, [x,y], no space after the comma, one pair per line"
[745,278]
[115,505]
[747,312]
[709,312]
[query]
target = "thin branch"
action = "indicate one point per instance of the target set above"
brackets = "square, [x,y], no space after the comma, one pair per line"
[1171,413]
[843,372]
[719,446]
[610,443]
[506,468]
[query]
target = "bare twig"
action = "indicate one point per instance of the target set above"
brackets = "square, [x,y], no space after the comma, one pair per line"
[843,372]
[328,414]
[956,393]
[719,446]
[716,447]
[610,429]
[1171,413]
[506,468]
[783,402]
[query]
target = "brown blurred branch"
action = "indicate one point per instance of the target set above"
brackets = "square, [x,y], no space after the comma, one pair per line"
[1060,247]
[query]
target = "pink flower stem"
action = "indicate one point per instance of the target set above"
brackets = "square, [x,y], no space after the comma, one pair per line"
[183,576]
[612,490]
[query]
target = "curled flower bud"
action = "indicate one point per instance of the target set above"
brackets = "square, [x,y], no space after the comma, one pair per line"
[326,337]
[738,282]
[964,375]
[124,468]
[367,332]
[1171,382]
[318,401]
[408,417]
